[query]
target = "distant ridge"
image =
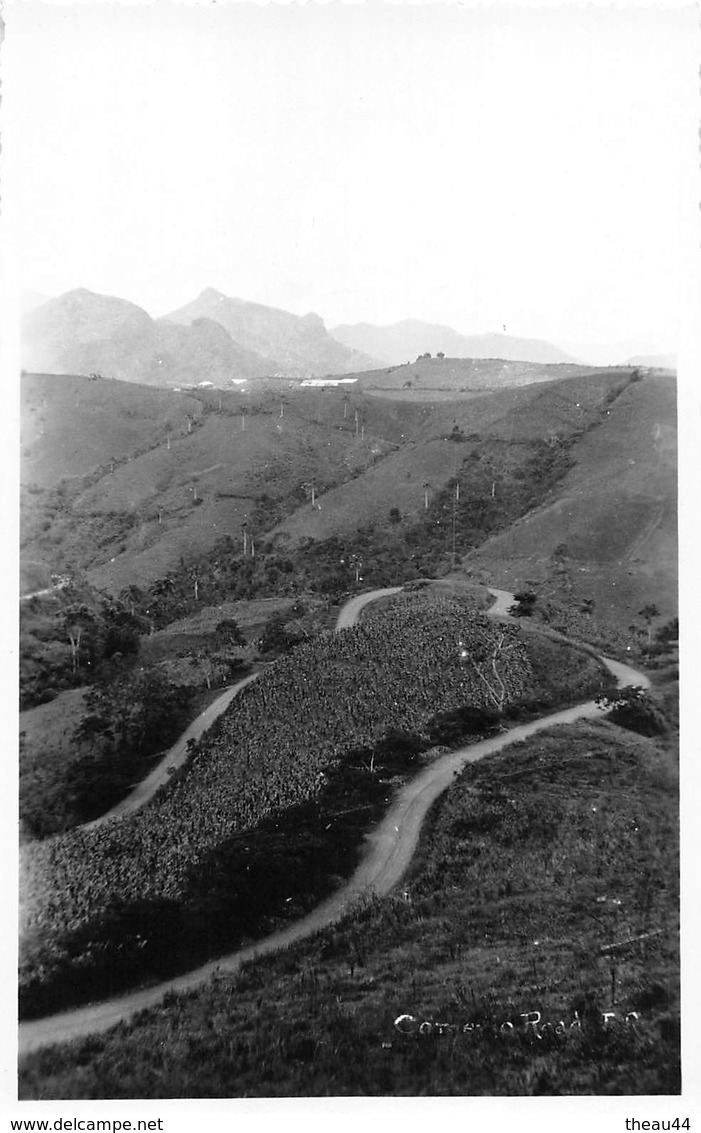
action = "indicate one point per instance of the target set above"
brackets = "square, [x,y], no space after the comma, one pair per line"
[300,344]
[82,332]
[406,340]
[214,338]
[654,361]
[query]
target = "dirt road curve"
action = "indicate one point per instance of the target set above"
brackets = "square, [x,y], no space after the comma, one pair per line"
[177,755]
[504,602]
[388,851]
[174,758]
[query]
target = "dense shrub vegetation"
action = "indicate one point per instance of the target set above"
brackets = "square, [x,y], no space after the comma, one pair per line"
[263,757]
[73,637]
[251,824]
[637,710]
[546,881]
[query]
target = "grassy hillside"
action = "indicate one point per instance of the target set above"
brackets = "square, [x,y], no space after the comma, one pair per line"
[47,750]
[180,475]
[545,882]
[610,532]
[163,479]
[501,427]
[467,374]
[71,425]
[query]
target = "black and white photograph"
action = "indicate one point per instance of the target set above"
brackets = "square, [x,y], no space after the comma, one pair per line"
[346,361]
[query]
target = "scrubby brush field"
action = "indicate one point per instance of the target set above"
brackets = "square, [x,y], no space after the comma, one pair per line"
[546,884]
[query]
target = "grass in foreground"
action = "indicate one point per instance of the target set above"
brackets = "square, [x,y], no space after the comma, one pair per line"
[546,880]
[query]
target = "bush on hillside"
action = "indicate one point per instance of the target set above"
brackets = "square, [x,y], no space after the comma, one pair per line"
[633,708]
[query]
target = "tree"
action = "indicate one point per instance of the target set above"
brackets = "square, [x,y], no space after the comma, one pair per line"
[669,632]
[135,712]
[80,626]
[395,516]
[277,638]
[195,576]
[483,653]
[203,659]
[524,605]
[132,597]
[633,708]
[649,611]
[228,632]
[122,630]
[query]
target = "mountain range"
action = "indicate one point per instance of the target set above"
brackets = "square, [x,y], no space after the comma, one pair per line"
[299,346]
[213,339]
[216,338]
[404,341]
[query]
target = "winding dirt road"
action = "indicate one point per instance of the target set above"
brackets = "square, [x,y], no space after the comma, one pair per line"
[388,851]
[177,754]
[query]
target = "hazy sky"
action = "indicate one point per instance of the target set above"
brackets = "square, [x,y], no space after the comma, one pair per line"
[476,166]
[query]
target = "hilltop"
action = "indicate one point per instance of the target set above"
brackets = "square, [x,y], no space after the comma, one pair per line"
[403,341]
[450,376]
[52,331]
[654,361]
[294,345]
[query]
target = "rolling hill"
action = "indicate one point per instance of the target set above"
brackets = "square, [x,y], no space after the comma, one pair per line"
[654,361]
[403,341]
[610,534]
[431,377]
[293,345]
[436,443]
[72,425]
[125,482]
[122,481]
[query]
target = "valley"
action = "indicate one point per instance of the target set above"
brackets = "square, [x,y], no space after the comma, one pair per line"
[345,340]
[197,570]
